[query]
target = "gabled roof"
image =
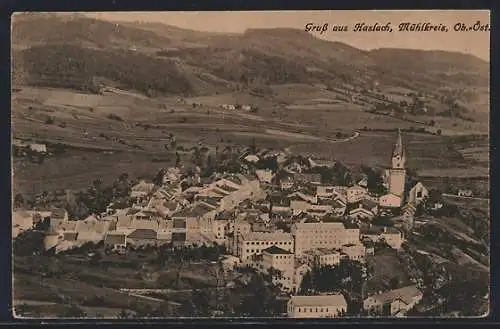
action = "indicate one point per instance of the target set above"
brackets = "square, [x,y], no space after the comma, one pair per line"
[406,294]
[143,234]
[323,300]
[276,251]
[369,204]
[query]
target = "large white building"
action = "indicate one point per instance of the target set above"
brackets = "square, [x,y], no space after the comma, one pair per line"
[316,235]
[281,260]
[325,306]
[253,243]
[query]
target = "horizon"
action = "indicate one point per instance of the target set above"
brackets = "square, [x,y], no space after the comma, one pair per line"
[471,43]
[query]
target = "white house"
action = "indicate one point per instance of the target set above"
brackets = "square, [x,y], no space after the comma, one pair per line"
[252,158]
[356,193]
[325,306]
[264,175]
[390,201]
[418,193]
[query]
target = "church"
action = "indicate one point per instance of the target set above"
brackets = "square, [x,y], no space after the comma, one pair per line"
[395,180]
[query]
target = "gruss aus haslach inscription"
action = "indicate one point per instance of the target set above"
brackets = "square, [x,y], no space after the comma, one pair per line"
[476,26]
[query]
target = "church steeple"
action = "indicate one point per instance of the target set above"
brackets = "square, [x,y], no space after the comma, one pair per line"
[398,153]
[398,147]
[397,173]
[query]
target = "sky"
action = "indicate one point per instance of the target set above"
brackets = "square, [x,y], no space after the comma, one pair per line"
[473,42]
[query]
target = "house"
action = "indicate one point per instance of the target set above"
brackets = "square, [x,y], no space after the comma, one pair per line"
[356,193]
[324,306]
[325,191]
[300,202]
[392,236]
[286,183]
[322,257]
[265,175]
[417,193]
[219,230]
[21,221]
[365,209]
[363,182]
[321,163]
[236,229]
[141,237]
[116,240]
[41,148]
[141,189]
[465,193]
[246,107]
[354,251]
[251,158]
[394,301]
[390,201]
[307,178]
[282,260]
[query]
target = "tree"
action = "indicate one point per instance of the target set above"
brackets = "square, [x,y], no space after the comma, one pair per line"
[123,314]
[158,180]
[394,283]
[74,312]
[19,200]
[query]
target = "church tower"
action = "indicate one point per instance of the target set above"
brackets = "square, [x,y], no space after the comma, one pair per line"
[397,173]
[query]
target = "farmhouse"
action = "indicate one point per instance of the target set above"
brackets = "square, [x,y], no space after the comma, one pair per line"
[417,193]
[465,193]
[41,148]
[392,302]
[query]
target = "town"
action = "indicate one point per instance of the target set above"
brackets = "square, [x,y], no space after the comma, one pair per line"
[274,215]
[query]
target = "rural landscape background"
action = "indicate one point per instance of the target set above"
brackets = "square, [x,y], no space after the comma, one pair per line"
[110,98]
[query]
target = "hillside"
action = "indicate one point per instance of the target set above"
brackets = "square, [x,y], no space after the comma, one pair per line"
[167,59]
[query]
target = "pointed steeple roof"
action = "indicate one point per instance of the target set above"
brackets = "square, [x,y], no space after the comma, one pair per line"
[398,147]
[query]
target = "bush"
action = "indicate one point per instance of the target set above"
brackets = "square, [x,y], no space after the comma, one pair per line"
[49,121]
[114,117]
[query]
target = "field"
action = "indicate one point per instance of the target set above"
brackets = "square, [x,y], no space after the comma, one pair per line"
[303,119]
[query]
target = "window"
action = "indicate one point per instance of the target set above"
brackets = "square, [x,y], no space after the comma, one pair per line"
[299,309]
[419,194]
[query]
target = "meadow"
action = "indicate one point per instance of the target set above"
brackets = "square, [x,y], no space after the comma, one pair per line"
[302,119]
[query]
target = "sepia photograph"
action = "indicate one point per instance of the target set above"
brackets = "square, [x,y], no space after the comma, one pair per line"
[253,164]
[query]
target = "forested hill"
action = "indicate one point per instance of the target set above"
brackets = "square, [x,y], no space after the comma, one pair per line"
[70,50]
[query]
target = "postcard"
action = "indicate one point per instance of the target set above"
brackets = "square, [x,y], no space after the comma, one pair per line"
[257,164]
